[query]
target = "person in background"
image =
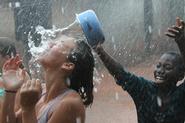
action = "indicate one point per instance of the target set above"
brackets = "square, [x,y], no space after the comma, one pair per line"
[68,67]
[159,101]
[7,50]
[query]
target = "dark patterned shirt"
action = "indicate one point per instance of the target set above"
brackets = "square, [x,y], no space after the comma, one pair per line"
[149,105]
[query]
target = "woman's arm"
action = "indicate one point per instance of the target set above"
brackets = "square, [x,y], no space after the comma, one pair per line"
[29,116]
[29,95]
[8,114]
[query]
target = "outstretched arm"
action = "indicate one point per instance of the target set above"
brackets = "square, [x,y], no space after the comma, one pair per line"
[115,68]
[177,32]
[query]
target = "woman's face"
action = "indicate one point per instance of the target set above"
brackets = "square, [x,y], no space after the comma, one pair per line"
[57,53]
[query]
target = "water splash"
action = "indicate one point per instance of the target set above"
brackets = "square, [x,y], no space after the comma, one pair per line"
[150,29]
[36,51]
[78,120]
[159,101]
[17,4]
[95,90]
[97,76]
[117,96]
[47,36]
[62,9]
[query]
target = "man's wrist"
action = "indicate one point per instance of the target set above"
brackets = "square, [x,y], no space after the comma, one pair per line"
[99,49]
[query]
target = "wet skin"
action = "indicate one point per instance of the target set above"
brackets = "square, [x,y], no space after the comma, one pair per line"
[166,71]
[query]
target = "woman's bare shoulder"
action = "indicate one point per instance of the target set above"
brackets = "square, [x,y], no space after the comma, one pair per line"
[72,99]
[69,109]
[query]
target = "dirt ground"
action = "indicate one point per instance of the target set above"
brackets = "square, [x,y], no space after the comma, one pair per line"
[111,103]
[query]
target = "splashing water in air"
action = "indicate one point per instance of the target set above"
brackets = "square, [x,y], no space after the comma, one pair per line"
[73,30]
[78,120]
[36,51]
[117,96]
[159,101]
[47,35]
[95,90]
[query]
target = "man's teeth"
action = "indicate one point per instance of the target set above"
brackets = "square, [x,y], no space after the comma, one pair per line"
[160,78]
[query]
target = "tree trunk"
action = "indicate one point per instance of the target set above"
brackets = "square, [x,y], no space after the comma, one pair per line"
[148,23]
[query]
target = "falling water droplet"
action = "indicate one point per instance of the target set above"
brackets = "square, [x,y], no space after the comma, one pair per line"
[95,90]
[116,96]
[159,101]
[150,29]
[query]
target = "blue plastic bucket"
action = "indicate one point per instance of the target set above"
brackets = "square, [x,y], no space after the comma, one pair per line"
[91,27]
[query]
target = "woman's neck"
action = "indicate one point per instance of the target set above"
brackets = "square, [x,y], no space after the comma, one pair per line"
[55,85]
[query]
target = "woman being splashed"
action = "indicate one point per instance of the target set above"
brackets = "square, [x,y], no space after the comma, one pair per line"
[68,71]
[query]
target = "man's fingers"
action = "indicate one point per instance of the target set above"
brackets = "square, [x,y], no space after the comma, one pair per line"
[182,24]
[178,23]
[176,28]
[173,31]
[170,35]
